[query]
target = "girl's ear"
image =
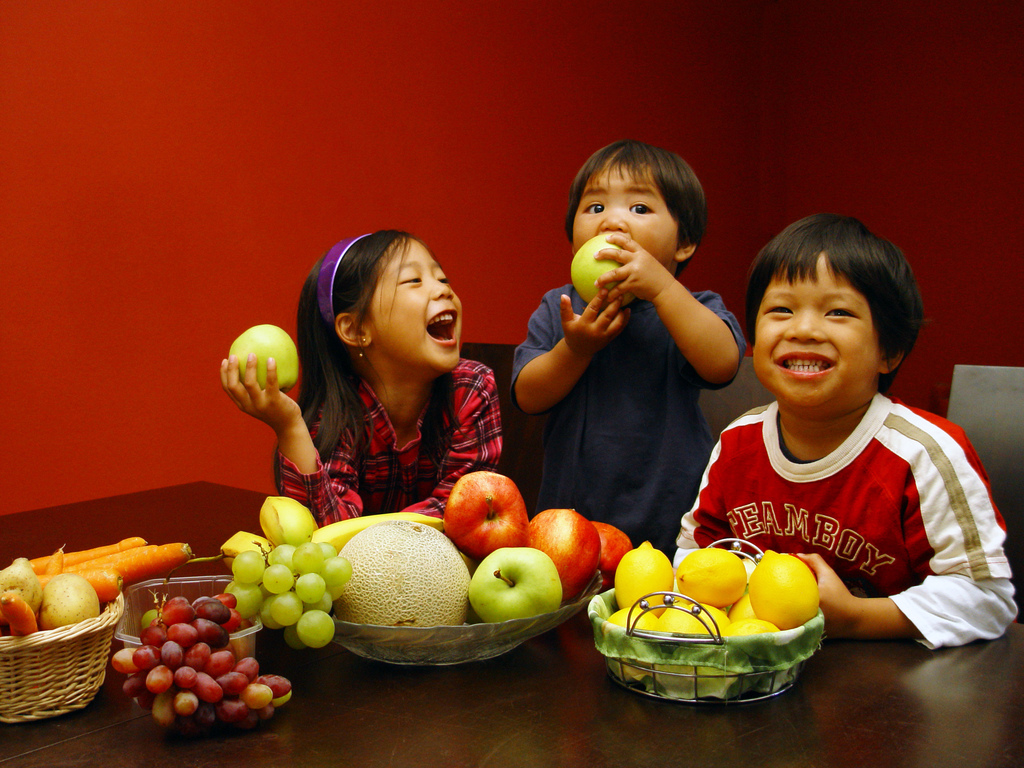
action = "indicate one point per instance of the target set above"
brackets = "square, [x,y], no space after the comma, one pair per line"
[351,333]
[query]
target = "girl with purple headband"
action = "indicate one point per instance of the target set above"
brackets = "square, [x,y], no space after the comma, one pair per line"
[388,415]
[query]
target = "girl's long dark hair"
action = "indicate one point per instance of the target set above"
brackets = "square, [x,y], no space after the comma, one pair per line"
[329,391]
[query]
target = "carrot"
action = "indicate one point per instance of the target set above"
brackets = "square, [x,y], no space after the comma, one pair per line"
[19,615]
[140,563]
[56,564]
[106,581]
[40,564]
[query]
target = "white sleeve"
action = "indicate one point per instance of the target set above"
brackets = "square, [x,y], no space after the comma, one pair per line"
[954,610]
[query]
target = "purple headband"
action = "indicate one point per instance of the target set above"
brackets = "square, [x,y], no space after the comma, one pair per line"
[325,281]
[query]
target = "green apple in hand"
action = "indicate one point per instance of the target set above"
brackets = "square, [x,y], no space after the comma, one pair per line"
[514,583]
[586,269]
[267,341]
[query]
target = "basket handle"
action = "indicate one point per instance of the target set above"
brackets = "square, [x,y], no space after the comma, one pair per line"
[670,600]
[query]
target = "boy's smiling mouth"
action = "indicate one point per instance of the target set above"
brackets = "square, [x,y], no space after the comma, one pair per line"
[805,365]
[442,326]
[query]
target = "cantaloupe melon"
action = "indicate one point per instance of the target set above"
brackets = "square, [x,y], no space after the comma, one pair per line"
[404,574]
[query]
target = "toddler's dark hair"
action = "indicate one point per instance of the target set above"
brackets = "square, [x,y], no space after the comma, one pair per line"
[672,176]
[872,265]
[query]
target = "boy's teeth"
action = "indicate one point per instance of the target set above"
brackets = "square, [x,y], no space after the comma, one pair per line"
[806,366]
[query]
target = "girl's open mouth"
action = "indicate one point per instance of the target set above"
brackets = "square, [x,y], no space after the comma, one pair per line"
[442,327]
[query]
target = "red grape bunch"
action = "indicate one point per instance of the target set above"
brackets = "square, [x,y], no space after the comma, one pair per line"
[186,673]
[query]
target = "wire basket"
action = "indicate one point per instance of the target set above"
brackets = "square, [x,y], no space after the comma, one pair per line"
[55,671]
[705,668]
[699,669]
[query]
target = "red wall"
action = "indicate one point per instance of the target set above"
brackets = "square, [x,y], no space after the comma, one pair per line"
[168,173]
[910,116]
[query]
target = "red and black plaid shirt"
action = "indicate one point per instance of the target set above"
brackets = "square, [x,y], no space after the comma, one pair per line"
[388,479]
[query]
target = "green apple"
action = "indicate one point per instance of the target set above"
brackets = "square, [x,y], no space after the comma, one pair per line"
[515,583]
[586,269]
[268,341]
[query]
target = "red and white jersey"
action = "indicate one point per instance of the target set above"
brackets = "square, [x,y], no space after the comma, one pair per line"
[903,498]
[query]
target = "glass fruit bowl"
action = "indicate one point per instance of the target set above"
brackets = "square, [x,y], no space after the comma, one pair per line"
[453,644]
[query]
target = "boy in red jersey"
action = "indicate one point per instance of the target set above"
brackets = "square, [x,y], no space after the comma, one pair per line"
[888,505]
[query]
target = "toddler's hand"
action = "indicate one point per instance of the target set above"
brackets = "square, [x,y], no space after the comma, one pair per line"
[269,405]
[590,332]
[640,274]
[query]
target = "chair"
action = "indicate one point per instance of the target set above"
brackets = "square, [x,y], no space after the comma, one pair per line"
[522,456]
[988,402]
[721,406]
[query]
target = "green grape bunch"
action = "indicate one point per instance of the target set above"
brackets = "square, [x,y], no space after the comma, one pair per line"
[292,589]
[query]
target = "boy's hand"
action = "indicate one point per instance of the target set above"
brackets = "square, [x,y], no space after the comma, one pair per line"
[269,405]
[640,274]
[590,332]
[857,617]
[837,603]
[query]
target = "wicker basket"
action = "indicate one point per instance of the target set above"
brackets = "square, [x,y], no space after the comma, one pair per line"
[56,671]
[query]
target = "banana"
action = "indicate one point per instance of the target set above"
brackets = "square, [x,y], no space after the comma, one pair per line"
[338,534]
[242,541]
[286,521]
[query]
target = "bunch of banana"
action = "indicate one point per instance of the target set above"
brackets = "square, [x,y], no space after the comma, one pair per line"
[338,534]
[242,541]
[283,520]
[286,521]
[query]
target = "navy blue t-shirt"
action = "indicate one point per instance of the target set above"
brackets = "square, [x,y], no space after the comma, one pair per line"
[629,444]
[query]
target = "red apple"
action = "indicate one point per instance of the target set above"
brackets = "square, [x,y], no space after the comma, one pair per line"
[572,542]
[614,544]
[485,512]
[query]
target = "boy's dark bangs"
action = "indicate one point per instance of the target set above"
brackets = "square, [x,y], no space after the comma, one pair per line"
[799,261]
[801,265]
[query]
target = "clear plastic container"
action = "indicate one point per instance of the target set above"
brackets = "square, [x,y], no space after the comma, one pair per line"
[140,597]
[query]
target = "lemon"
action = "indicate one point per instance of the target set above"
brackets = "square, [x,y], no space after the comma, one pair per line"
[749,565]
[748,627]
[783,590]
[721,617]
[686,623]
[741,609]
[712,576]
[641,571]
[683,622]
[647,621]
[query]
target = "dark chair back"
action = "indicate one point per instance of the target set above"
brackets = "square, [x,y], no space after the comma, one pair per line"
[988,402]
[721,406]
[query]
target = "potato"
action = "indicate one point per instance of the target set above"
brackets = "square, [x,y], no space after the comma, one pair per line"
[67,599]
[20,578]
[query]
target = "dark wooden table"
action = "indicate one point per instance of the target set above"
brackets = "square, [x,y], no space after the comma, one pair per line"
[547,703]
